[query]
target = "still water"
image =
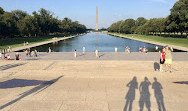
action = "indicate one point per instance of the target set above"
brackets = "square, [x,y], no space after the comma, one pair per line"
[91,41]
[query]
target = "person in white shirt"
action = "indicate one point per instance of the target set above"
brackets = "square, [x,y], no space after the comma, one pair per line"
[96,53]
[115,49]
[84,49]
[75,53]
[156,48]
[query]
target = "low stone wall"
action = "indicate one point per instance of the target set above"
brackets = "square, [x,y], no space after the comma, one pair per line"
[43,43]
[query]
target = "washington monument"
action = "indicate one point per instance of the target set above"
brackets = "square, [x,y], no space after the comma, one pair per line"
[97,27]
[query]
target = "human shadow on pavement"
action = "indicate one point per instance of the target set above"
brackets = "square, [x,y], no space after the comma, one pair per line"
[156,66]
[130,96]
[80,55]
[37,89]
[144,94]
[9,66]
[101,55]
[181,82]
[158,94]
[13,83]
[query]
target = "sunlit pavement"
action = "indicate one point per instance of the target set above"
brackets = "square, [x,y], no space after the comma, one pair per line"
[134,56]
[90,85]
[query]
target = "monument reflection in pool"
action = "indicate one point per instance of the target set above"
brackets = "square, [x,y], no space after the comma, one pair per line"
[104,43]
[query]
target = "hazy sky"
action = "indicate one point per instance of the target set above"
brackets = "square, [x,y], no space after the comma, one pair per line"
[84,11]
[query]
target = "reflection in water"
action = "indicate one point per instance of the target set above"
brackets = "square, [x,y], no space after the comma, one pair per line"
[104,43]
[158,94]
[144,94]
[133,85]
[55,43]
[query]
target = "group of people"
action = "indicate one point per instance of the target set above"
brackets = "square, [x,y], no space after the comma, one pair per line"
[4,55]
[30,53]
[84,49]
[143,49]
[127,49]
[166,58]
[26,43]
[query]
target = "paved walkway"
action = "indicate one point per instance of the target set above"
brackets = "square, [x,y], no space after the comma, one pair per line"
[135,56]
[51,85]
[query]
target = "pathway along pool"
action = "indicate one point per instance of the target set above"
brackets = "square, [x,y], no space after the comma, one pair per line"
[91,41]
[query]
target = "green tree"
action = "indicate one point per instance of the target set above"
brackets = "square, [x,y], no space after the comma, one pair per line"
[10,24]
[179,16]
[140,21]
[1,10]
[19,18]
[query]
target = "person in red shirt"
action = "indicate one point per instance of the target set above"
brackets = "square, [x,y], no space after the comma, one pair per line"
[162,59]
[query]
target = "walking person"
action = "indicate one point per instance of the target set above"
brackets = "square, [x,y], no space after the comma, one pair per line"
[162,59]
[36,53]
[116,49]
[96,53]
[168,58]
[49,50]
[26,52]
[128,49]
[5,56]
[8,50]
[24,43]
[29,52]
[75,53]
[84,49]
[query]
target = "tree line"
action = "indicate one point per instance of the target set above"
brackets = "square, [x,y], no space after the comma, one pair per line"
[19,23]
[176,22]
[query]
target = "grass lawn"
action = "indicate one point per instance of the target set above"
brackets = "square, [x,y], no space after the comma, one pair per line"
[17,42]
[167,40]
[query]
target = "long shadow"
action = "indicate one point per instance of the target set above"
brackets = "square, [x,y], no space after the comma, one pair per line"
[80,55]
[130,96]
[19,83]
[156,66]
[101,55]
[158,94]
[32,59]
[181,82]
[37,89]
[9,66]
[145,94]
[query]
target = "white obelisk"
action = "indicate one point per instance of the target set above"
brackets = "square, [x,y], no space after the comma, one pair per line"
[97,27]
